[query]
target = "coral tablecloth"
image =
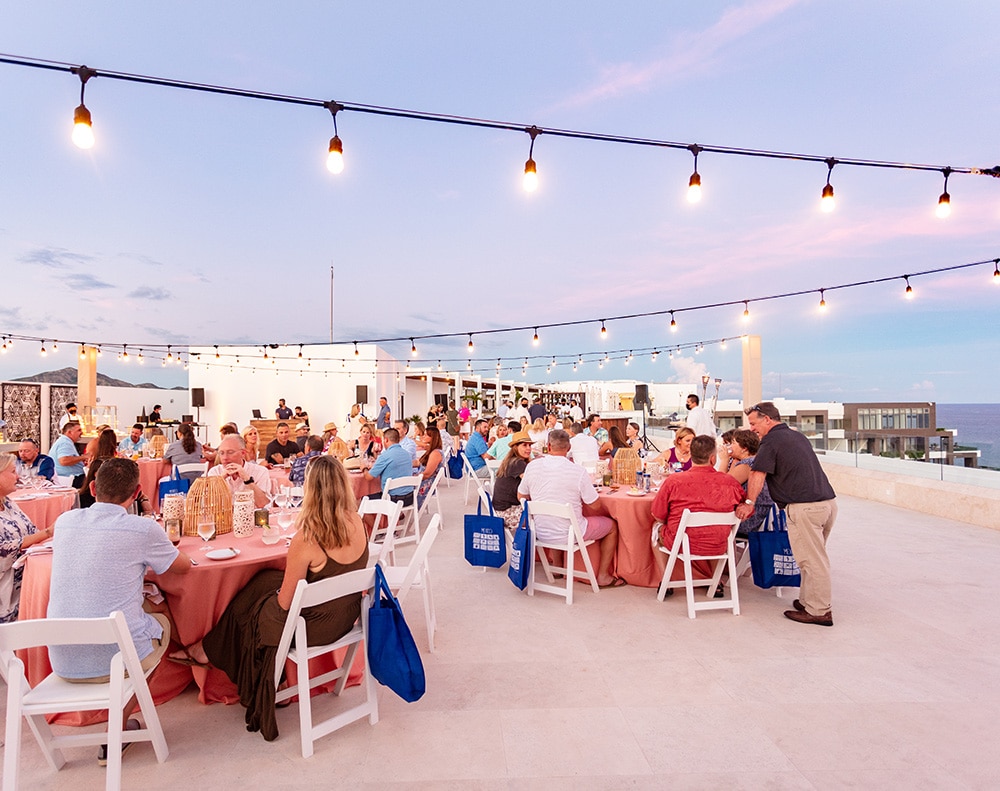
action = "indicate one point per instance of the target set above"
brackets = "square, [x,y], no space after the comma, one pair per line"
[196,599]
[44,507]
[150,472]
[634,558]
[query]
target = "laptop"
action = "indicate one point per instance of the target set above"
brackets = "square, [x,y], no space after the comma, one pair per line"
[256,414]
[187,418]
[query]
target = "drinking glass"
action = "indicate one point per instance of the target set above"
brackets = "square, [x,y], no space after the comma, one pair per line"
[206,528]
[285,520]
[295,496]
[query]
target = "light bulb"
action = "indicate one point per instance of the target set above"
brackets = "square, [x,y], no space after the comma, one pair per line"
[746,311]
[673,323]
[43,352]
[530,176]
[694,188]
[534,341]
[822,300]
[996,273]
[943,209]
[604,331]
[826,202]
[83,131]
[413,348]
[335,156]
[471,345]
[909,294]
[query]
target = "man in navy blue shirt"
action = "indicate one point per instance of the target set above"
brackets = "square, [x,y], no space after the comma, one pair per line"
[31,462]
[382,421]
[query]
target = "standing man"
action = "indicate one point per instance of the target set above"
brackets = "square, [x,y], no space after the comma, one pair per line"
[281,448]
[154,416]
[68,460]
[135,443]
[698,418]
[393,462]
[476,449]
[382,421]
[536,410]
[502,410]
[31,462]
[282,412]
[797,484]
[68,415]
[575,413]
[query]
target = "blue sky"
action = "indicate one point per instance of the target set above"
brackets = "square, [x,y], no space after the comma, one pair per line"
[212,219]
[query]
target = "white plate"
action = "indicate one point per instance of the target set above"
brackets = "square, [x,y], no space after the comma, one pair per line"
[222,554]
[632,493]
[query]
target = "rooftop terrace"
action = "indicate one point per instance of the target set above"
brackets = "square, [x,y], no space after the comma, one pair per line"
[620,691]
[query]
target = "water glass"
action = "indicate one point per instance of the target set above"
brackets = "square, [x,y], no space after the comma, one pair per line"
[206,528]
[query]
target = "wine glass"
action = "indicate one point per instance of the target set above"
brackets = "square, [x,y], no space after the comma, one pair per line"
[295,496]
[206,528]
[285,520]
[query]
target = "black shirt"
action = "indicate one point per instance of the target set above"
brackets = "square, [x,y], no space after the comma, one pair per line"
[505,488]
[794,474]
[282,413]
[536,411]
[288,450]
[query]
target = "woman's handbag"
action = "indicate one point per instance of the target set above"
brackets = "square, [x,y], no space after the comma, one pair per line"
[455,466]
[176,484]
[393,658]
[519,570]
[485,542]
[771,557]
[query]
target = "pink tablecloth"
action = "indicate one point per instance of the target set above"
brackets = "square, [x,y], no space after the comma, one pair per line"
[197,600]
[44,507]
[150,472]
[634,558]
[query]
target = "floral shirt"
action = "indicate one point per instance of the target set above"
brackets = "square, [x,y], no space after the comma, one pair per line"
[14,528]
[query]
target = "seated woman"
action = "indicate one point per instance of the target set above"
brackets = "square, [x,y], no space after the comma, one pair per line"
[367,446]
[744,449]
[725,461]
[252,438]
[539,434]
[618,441]
[87,498]
[505,501]
[678,458]
[330,540]
[107,445]
[184,450]
[430,462]
[17,533]
[332,444]
[91,451]
[633,437]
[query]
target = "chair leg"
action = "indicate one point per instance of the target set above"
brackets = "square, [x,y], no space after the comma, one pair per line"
[689,586]
[429,616]
[305,704]
[352,651]
[734,591]
[668,572]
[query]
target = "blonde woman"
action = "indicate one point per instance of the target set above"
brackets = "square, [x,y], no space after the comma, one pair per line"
[354,422]
[330,540]
[678,458]
[17,533]
[252,438]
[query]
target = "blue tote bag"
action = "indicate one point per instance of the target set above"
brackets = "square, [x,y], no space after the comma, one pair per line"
[455,466]
[771,557]
[520,553]
[393,658]
[176,484]
[485,542]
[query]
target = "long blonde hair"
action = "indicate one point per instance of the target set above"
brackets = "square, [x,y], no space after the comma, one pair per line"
[328,507]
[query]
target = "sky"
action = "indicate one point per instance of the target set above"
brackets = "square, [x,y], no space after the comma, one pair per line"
[207,219]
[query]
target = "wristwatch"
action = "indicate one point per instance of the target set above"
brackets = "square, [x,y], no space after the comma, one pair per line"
[248,481]
[748,501]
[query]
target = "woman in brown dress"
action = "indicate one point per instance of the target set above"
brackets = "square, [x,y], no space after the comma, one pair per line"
[330,540]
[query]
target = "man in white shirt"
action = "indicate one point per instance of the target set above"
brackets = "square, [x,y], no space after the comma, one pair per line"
[520,414]
[240,474]
[555,479]
[575,413]
[68,415]
[584,449]
[698,419]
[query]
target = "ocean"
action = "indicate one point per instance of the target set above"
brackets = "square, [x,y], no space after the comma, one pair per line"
[978,426]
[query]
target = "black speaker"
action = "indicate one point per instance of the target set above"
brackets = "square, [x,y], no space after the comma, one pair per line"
[362,393]
[641,395]
[197,396]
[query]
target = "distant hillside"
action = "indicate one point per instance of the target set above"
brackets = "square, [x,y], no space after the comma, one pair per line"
[67,376]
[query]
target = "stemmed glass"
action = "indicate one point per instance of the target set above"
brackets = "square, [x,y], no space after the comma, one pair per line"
[285,520]
[295,496]
[206,527]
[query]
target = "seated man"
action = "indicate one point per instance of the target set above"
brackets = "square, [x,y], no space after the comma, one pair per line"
[68,459]
[281,448]
[240,474]
[553,478]
[701,488]
[99,561]
[135,443]
[31,462]
[393,462]
[405,441]
[314,447]
[301,435]
[476,449]
[583,447]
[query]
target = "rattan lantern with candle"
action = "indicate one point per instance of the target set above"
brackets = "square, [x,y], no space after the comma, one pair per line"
[627,464]
[209,494]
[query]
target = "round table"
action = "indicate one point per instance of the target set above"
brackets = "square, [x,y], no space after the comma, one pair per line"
[43,507]
[634,515]
[150,472]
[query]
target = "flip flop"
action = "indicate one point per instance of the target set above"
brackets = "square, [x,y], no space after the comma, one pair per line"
[187,660]
[617,582]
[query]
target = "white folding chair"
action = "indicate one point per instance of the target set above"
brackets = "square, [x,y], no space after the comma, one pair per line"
[310,594]
[417,574]
[386,513]
[54,694]
[483,484]
[432,497]
[409,513]
[200,467]
[681,550]
[66,481]
[574,543]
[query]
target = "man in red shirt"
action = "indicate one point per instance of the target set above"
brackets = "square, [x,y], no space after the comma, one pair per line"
[701,488]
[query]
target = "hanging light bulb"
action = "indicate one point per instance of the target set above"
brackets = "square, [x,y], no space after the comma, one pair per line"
[98,350]
[170,355]
[723,344]
[653,356]
[534,341]
[822,299]
[996,272]
[607,359]
[3,348]
[909,289]
[673,322]
[124,354]
[300,351]
[670,354]
[356,352]
[83,130]
[746,310]
[574,367]
[55,347]
[530,172]
[472,346]
[141,360]
[83,351]
[553,363]
[604,331]
[216,352]
[694,183]
[944,202]
[43,351]
[335,153]
[413,348]
[468,365]
[439,366]
[827,202]
[407,365]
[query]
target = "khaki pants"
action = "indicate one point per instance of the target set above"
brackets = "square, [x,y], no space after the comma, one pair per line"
[148,662]
[809,526]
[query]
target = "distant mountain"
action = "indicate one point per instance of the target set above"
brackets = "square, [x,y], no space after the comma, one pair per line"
[67,376]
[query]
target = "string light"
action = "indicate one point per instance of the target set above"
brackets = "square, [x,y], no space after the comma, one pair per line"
[694,183]
[944,202]
[83,130]
[746,310]
[413,348]
[356,352]
[170,356]
[653,356]
[300,351]
[217,352]
[723,344]
[534,341]
[996,272]
[530,171]
[124,354]
[673,322]
[55,347]
[553,363]
[822,299]
[472,346]
[140,358]
[439,365]
[335,153]
[98,350]
[43,352]
[827,203]
[909,289]
[604,331]
[83,351]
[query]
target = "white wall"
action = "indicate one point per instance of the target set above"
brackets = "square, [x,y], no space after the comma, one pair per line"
[130,402]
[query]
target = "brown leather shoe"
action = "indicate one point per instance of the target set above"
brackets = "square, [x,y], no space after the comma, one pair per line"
[804,617]
[799,606]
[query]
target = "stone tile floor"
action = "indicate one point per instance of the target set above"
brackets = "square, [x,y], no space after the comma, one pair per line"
[620,691]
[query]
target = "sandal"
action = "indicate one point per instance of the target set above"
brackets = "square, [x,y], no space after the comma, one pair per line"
[187,659]
[616,582]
